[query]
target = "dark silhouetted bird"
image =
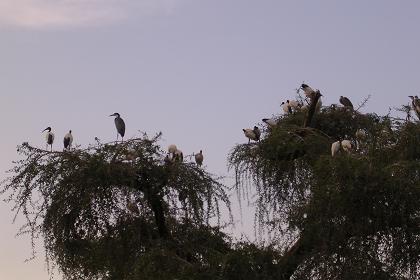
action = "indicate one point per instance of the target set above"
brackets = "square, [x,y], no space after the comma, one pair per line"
[346,102]
[119,125]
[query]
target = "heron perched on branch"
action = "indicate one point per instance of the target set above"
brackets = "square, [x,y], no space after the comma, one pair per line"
[68,140]
[346,102]
[49,137]
[119,125]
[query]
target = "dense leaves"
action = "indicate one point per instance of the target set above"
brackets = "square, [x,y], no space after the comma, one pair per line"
[355,215]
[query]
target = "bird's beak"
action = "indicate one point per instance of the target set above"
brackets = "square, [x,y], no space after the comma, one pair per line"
[44,130]
[112,115]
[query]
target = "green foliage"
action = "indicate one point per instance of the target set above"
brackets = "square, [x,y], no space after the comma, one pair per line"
[79,202]
[356,215]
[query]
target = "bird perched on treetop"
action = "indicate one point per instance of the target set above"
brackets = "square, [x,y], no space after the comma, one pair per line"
[309,92]
[119,125]
[68,140]
[252,134]
[346,102]
[199,158]
[49,137]
[270,122]
[286,108]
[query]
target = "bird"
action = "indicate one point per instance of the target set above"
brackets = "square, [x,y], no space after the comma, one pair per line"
[335,148]
[68,140]
[49,137]
[293,104]
[250,134]
[309,92]
[179,156]
[346,102]
[415,103]
[172,149]
[346,144]
[119,125]
[286,108]
[199,158]
[270,122]
[257,132]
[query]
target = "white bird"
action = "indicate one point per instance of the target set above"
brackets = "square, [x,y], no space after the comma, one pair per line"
[309,92]
[68,140]
[250,134]
[286,108]
[346,144]
[49,137]
[179,156]
[293,104]
[172,149]
[270,122]
[199,158]
[335,148]
[119,125]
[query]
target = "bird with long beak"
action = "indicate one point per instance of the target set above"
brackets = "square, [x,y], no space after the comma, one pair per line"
[119,125]
[68,140]
[49,137]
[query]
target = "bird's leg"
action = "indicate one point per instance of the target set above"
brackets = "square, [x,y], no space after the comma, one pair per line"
[46,147]
[117,138]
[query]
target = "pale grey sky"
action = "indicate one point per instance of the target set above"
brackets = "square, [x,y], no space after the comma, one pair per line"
[199,71]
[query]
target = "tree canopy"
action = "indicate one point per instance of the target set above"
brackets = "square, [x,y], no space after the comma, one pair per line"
[121,211]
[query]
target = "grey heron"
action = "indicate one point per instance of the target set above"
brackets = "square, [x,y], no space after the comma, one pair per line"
[68,140]
[179,156]
[199,158]
[49,137]
[119,125]
[257,132]
[346,102]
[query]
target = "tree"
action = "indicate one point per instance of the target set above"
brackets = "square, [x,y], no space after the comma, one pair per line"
[353,216]
[120,211]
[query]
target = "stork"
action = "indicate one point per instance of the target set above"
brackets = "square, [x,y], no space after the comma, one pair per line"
[309,92]
[346,102]
[68,140]
[250,134]
[286,108]
[172,149]
[360,134]
[346,144]
[49,137]
[293,104]
[335,148]
[270,122]
[119,125]
[199,158]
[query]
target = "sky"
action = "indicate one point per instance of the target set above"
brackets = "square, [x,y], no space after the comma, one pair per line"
[197,70]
